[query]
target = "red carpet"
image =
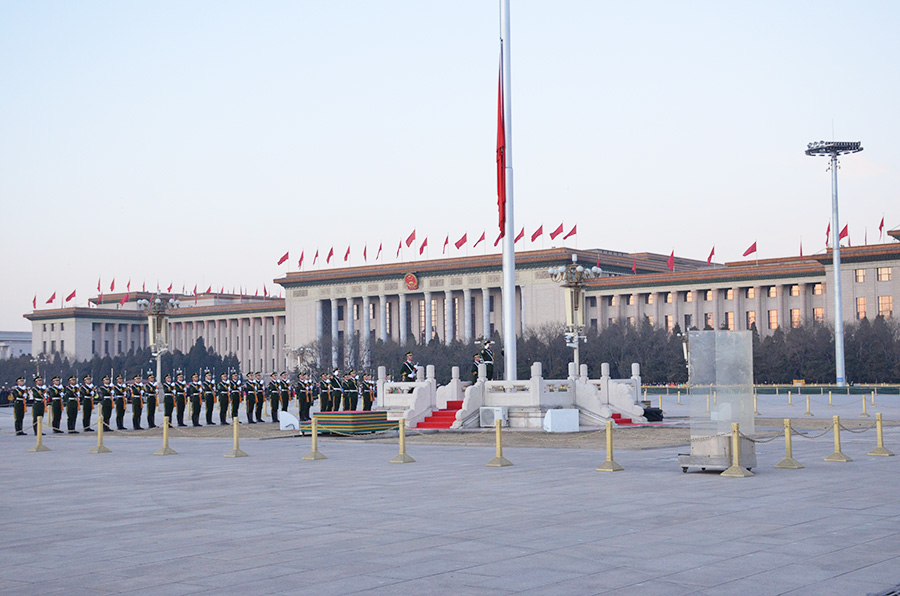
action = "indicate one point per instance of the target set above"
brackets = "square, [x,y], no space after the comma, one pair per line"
[442,418]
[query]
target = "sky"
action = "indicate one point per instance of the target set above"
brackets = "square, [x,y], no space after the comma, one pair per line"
[194,143]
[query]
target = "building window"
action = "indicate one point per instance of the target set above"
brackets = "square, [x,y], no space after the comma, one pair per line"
[650,320]
[44,327]
[648,299]
[670,298]
[751,293]
[631,321]
[886,306]
[119,347]
[491,305]
[819,314]
[773,291]
[689,296]
[818,289]
[44,350]
[355,311]
[751,318]
[795,290]
[592,301]
[93,347]
[371,310]
[773,319]
[629,300]
[729,294]
[884,274]
[710,321]
[340,312]
[795,317]
[62,345]
[387,322]
[52,326]
[861,308]
[709,295]
[106,347]
[612,300]
[687,322]
[860,275]
[729,321]
[62,326]
[670,323]
[594,324]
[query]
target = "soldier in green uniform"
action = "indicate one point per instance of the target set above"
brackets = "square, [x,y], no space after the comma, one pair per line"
[137,401]
[180,389]
[351,391]
[195,391]
[234,394]
[475,364]
[71,397]
[105,392]
[260,395]
[369,390]
[273,392]
[18,396]
[325,393]
[56,403]
[87,392]
[120,394]
[487,354]
[408,369]
[305,395]
[209,397]
[284,390]
[223,388]
[37,400]
[250,396]
[152,392]
[168,389]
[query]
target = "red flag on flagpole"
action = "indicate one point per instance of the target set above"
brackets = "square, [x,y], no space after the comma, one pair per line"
[125,299]
[98,285]
[556,232]
[378,254]
[347,254]
[537,233]
[881,228]
[827,234]
[399,246]
[265,291]
[209,289]
[128,286]
[446,244]
[51,299]
[256,292]
[520,235]
[844,232]
[499,238]
[34,301]
[170,287]
[480,240]
[750,249]
[365,248]
[459,243]
[143,286]
[300,262]
[572,232]
[634,266]
[424,244]
[410,239]
[801,249]
[330,254]
[670,262]
[712,253]
[316,257]
[284,257]
[501,152]
[70,296]
[112,286]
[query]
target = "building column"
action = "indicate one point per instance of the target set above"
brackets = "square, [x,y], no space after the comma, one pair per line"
[486,313]
[697,318]
[467,315]
[268,329]
[522,312]
[428,322]
[404,332]
[383,331]
[449,331]
[334,333]
[657,296]
[350,343]
[762,316]
[366,332]
[737,306]
[804,304]
[320,331]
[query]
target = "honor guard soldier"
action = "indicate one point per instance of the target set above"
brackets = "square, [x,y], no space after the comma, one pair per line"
[120,393]
[487,354]
[250,397]
[87,392]
[260,395]
[18,396]
[223,388]
[475,368]
[194,391]
[37,400]
[137,391]
[351,391]
[234,394]
[325,393]
[305,395]
[284,390]
[56,402]
[369,391]
[208,388]
[337,391]
[408,369]
[152,391]
[273,392]
[106,403]
[71,396]
[168,389]
[180,389]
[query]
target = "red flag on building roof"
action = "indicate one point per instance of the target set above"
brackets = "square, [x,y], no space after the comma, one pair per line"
[399,246]
[844,232]
[480,240]
[143,286]
[670,262]
[51,299]
[300,262]
[801,249]
[330,254]
[537,233]
[499,238]
[572,232]
[501,152]
[446,244]
[556,232]
[128,286]
[170,287]
[411,238]
[827,234]
[520,235]
[712,253]
[34,301]
[98,284]
[70,296]
[209,289]
[378,254]
[424,244]
[316,256]
[123,300]
[347,254]
[459,243]
[112,286]
[634,266]
[365,257]
[881,228]
[265,291]
[750,249]
[284,257]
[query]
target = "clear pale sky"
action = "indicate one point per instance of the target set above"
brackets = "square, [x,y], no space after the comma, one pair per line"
[197,142]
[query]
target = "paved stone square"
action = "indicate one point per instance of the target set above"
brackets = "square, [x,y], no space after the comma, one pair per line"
[199,523]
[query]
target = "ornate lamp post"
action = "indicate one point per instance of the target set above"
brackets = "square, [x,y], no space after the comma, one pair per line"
[158,325]
[832,149]
[38,361]
[572,277]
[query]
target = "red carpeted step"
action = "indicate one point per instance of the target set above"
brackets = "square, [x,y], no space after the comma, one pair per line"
[442,418]
[617,418]
[454,404]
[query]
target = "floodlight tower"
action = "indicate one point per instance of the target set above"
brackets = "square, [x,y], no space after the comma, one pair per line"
[832,149]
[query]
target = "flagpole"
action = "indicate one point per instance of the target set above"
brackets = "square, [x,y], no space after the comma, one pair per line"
[509,255]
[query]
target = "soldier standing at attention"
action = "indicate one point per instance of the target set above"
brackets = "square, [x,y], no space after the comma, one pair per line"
[273,392]
[18,396]
[180,389]
[260,396]
[325,393]
[152,390]
[408,369]
[168,388]
[250,396]
[106,403]
[284,390]
[37,400]
[475,368]
[120,391]
[209,397]
[86,392]
[304,395]
[71,395]
[137,402]
[234,394]
[195,390]
[56,403]
[488,356]
[337,391]
[351,391]
[369,390]
[222,389]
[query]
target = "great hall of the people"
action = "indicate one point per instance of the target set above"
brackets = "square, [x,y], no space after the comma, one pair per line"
[460,299]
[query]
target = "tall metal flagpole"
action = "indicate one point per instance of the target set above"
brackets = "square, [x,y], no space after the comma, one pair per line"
[509,255]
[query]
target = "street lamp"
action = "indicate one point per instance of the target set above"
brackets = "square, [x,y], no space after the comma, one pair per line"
[572,277]
[158,325]
[832,149]
[38,361]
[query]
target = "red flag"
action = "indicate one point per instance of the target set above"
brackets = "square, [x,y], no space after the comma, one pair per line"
[378,254]
[499,238]
[347,254]
[520,235]
[195,290]
[399,246]
[265,291]
[316,257]
[711,255]
[827,234]
[572,232]
[256,292]
[143,286]
[170,287]
[556,232]
[424,244]
[123,300]
[537,233]
[300,262]
[128,286]
[182,289]
[750,249]
[98,285]
[866,236]
[70,296]
[112,286]
[801,250]
[365,248]
[51,299]
[446,244]
[634,266]
[881,228]
[501,152]
[844,233]
[284,258]
[410,239]
[479,241]
[330,254]
[670,262]
[209,289]
[459,243]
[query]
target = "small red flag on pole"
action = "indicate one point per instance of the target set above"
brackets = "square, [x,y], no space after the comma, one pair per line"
[572,232]
[112,286]
[300,262]
[537,233]
[750,249]
[330,254]
[827,234]
[844,232]
[365,248]
[34,301]
[316,257]
[378,254]
[520,235]
[284,257]
[125,299]
[70,296]
[556,232]
[347,254]
[712,253]
[670,262]
[410,239]
[446,244]
[459,243]
[634,266]
[480,240]
[424,244]
[499,238]
[881,228]
[399,246]
[51,299]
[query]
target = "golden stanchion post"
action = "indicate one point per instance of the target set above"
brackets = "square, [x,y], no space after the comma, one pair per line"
[645,395]
[755,409]
[609,465]
[402,457]
[165,449]
[715,398]
[707,403]
[865,413]
[879,430]
[679,398]
[314,454]
[236,450]
[39,446]
[499,461]
[829,399]
[788,463]
[100,448]
[790,398]
[873,399]
[660,401]
[736,470]
[808,412]
[837,455]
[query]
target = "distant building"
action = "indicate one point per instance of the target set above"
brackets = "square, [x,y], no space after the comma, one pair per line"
[14,344]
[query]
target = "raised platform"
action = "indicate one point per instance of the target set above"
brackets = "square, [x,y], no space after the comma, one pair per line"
[350,422]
